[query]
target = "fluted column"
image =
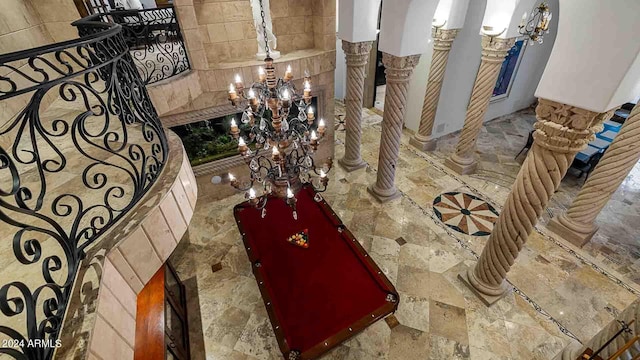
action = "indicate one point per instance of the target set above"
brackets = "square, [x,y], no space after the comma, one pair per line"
[442,40]
[356,55]
[577,225]
[560,132]
[398,70]
[494,51]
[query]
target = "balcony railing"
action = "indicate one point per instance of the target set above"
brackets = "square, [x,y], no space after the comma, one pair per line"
[156,43]
[82,144]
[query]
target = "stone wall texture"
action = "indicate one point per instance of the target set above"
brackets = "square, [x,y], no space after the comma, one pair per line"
[227,31]
[26,24]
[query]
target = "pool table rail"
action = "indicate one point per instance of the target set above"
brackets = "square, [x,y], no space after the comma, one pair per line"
[389,306]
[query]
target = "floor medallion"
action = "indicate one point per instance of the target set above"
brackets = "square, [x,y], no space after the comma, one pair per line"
[465,213]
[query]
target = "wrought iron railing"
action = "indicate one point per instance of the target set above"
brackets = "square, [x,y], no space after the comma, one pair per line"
[82,147]
[156,43]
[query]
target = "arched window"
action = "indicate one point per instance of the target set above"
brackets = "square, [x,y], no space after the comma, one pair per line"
[508,71]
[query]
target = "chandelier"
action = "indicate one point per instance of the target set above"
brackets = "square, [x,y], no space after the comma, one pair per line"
[538,25]
[277,136]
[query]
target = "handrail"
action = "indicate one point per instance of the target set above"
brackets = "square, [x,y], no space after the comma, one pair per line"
[83,148]
[109,29]
[156,41]
[54,67]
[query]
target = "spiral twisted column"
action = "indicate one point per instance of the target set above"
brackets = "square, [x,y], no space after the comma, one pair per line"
[577,225]
[398,70]
[560,132]
[631,313]
[493,53]
[356,55]
[442,40]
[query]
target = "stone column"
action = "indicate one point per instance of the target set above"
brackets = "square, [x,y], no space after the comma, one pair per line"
[357,55]
[494,51]
[398,71]
[631,313]
[442,40]
[577,225]
[561,131]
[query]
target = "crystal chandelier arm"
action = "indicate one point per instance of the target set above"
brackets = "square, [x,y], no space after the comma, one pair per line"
[295,160]
[296,134]
[297,124]
[262,203]
[529,27]
[268,106]
[268,167]
[244,186]
[321,188]
[538,22]
[323,179]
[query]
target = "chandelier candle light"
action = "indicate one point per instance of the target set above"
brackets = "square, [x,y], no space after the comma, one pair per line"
[538,25]
[267,122]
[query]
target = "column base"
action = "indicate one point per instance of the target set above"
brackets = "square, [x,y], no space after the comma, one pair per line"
[577,238]
[461,167]
[487,299]
[427,144]
[349,167]
[381,197]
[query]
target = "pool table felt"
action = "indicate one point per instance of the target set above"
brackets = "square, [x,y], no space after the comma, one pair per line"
[322,294]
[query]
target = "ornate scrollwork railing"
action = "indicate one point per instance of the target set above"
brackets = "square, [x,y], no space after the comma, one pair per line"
[80,145]
[156,43]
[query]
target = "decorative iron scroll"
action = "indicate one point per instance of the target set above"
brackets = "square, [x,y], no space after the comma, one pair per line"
[82,148]
[156,43]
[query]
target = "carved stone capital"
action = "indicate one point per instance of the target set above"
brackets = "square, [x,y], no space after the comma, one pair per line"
[564,128]
[356,53]
[496,49]
[443,39]
[399,68]
[561,131]
[578,224]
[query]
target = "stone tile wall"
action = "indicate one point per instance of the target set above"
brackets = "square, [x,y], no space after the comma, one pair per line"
[227,31]
[293,24]
[225,44]
[185,11]
[175,92]
[324,24]
[132,263]
[26,24]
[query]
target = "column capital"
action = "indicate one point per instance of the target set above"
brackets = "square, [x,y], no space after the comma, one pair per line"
[564,128]
[443,39]
[495,49]
[578,224]
[356,53]
[399,68]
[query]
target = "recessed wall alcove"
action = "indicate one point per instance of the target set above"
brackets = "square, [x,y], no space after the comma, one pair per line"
[221,41]
[213,125]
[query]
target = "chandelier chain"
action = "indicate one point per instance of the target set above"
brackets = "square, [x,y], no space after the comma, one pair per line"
[264,29]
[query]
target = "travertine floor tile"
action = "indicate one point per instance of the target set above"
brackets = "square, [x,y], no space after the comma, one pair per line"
[439,318]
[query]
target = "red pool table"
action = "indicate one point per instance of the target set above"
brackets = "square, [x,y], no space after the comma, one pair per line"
[316,297]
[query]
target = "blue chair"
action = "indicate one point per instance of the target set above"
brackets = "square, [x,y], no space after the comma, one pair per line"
[527,145]
[587,159]
[612,125]
[607,135]
[588,166]
[600,143]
